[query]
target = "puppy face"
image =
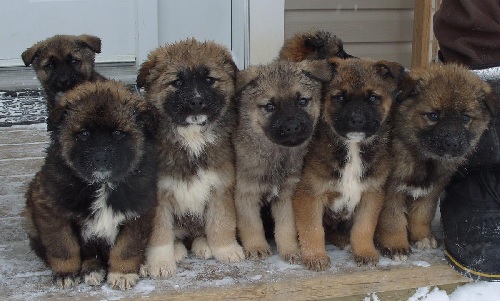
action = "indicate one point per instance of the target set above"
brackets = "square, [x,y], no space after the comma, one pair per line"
[281,101]
[359,98]
[103,128]
[444,123]
[192,83]
[63,61]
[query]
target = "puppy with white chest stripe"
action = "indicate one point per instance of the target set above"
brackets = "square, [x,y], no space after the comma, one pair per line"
[192,84]
[348,163]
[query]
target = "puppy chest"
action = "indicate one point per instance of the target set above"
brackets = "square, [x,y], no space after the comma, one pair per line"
[191,195]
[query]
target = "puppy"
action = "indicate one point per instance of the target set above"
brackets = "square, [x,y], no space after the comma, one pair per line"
[192,84]
[348,162]
[312,45]
[444,111]
[89,210]
[279,106]
[61,62]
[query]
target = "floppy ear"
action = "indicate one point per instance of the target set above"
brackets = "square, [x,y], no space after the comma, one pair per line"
[320,70]
[30,54]
[246,77]
[92,42]
[148,115]
[144,72]
[390,69]
[409,87]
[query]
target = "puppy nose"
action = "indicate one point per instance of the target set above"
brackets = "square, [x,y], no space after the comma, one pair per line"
[450,144]
[101,157]
[292,127]
[63,81]
[357,120]
[197,103]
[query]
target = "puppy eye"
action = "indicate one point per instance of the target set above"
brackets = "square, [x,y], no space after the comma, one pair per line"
[374,98]
[178,83]
[210,80]
[48,66]
[303,102]
[338,97]
[75,61]
[433,116]
[84,135]
[466,118]
[118,134]
[269,107]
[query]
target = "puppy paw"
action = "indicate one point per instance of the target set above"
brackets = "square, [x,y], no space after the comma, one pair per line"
[426,243]
[65,281]
[201,249]
[231,253]
[316,263]
[258,252]
[94,277]
[397,253]
[291,258]
[180,251]
[122,281]
[160,263]
[370,257]
[158,271]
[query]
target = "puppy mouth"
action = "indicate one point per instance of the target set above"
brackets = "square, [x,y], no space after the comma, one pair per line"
[197,119]
[355,136]
[101,176]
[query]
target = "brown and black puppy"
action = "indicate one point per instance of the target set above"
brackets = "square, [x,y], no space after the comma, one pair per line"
[312,45]
[279,105]
[89,210]
[61,62]
[193,84]
[444,111]
[348,162]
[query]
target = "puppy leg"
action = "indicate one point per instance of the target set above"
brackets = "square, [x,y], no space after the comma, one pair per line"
[221,227]
[200,248]
[127,255]
[420,217]
[392,226]
[285,232]
[363,228]
[309,221]
[250,227]
[160,254]
[93,267]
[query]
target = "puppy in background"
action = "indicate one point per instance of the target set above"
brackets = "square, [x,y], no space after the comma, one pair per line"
[312,45]
[279,105]
[348,162]
[443,112]
[192,84]
[61,62]
[89,210]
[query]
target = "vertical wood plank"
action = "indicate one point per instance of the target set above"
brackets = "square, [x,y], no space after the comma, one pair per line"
[421,33]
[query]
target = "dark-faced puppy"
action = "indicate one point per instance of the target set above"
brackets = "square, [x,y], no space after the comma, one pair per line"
[192,84]
[443,113]
[89,210]
[312,45]
[348,162]
[279,105]
[61,62]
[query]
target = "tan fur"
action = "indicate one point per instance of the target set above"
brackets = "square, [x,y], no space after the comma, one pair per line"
[418,175]
[343,179]
[196,162]
[312,45]
[267,172]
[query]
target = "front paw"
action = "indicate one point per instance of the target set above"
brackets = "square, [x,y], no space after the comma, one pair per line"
[397,253]
[292,258]
[64,280]
[368,257]
[160,270]
[232,253]
[122,281]
[426,243]
[201,249]
[258,252]
[319,262]
[95,277]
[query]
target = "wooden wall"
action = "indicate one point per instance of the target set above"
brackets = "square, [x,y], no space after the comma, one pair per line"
[377,29]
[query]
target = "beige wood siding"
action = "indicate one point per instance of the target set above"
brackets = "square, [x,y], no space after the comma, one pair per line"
[377,29]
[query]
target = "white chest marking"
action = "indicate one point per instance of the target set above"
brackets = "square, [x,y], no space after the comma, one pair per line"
[191,196]
[104,222]
[415,192]
[350,184]
[195,137]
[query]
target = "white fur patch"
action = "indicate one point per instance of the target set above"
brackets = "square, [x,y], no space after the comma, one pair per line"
[195,137]
[350,184]
[104,223]
[415,192]
[191,196]
[355,136]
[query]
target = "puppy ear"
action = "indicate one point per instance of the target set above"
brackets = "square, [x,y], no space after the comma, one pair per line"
[148,115]
[489,99]
[320,70]
[92,42]
[144,71]
[30,54]
[390,69]
[409,87]
[246,77]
